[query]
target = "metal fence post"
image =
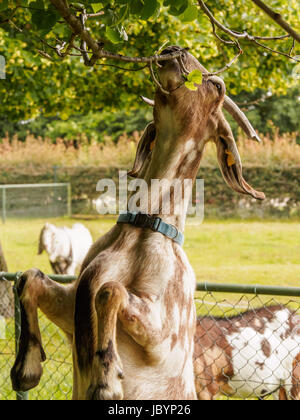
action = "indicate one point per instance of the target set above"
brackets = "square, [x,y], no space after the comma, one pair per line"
[21,396]
[4,205]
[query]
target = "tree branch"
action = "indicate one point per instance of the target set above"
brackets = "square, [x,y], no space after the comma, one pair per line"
[228,65]
[243,35]
[96,47]
[278,19]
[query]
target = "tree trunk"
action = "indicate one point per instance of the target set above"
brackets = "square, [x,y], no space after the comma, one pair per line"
[6,293]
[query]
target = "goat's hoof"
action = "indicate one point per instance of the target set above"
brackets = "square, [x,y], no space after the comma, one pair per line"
[27,372]
[22,382]
[109,388]
[105,393]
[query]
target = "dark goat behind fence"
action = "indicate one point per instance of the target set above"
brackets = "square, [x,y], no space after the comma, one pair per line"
[247,345]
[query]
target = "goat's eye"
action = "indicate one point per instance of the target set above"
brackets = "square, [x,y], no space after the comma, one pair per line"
[218,86]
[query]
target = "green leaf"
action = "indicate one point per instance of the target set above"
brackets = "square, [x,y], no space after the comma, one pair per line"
[190,14]
[44,20]
[195,76]
[149,9]
[191,86]
[193,79]
[113,35]
[136,7]
[177,4]
[3,5]
[38,4]
[121,15]
[97,7]
[78,6]
[178,8]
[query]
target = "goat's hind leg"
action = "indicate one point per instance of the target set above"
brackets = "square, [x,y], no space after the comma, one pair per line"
[35,290]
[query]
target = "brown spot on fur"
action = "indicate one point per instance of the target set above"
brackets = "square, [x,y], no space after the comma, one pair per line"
[261,365]
[249,319]
[106,356]
[139,304]
[182,334]
[266,348]
[212,360]
[295,391]
[282,394]
[173,341]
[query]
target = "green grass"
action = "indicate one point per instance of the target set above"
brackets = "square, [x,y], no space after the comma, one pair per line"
[226,252]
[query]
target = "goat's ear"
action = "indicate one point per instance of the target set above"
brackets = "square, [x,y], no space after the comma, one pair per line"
[230,162]
[145,147]
[41,244]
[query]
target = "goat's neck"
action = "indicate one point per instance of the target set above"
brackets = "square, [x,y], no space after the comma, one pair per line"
[174,162]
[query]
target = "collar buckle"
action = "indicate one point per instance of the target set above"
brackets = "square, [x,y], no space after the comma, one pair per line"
[147,222]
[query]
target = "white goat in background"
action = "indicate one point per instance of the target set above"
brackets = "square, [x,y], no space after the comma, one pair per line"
[67,248]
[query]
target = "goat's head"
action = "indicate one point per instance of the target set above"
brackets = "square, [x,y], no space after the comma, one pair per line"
[46,240]
[184,114]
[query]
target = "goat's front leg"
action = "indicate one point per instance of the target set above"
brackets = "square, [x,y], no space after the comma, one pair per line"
[114,303]
[36,290]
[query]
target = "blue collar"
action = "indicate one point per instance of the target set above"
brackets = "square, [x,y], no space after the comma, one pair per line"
[156,224]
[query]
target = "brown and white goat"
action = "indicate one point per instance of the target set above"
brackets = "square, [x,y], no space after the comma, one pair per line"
[131,314]
[254,354]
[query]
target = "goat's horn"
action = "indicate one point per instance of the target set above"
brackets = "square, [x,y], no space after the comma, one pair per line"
[241,119]
[148,101]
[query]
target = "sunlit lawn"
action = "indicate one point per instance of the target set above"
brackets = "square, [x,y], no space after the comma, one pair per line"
[226,252]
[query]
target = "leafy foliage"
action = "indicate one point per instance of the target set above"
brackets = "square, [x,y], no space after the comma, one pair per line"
[264,111]
[90,127]
[273,111]
[34,85]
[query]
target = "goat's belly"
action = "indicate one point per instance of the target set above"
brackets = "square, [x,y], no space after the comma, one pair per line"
[172,379]
[153,384]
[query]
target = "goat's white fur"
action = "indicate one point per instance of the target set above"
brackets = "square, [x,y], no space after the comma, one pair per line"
[262,356]
[64,243]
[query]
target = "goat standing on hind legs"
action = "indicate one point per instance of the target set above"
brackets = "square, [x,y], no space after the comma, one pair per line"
[131,313]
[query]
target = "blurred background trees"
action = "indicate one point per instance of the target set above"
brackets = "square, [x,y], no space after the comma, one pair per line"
[64,88]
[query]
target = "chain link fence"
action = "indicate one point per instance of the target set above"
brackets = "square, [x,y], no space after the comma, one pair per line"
[56,382]
[247,344]
[32,200]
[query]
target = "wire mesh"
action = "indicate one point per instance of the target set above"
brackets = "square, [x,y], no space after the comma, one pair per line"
[17,201]
[247,346]
[7,338]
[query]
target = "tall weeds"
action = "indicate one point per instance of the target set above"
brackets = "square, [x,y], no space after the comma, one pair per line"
[37,153]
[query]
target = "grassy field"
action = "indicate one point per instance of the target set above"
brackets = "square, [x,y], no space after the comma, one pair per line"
[225,251]
[249,252]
